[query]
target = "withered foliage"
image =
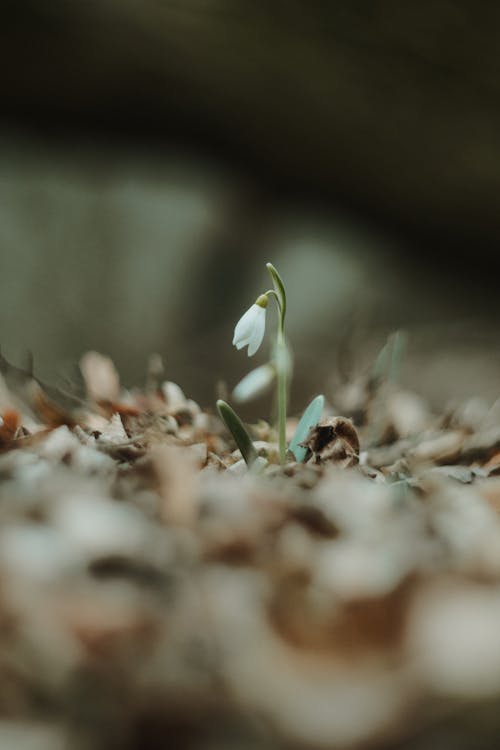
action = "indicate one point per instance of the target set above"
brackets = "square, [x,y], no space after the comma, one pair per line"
[153,593]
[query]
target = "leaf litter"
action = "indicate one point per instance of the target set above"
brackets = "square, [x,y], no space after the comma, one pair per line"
[155,592]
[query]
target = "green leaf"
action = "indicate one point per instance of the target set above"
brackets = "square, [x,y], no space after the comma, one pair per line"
[279,288]
[399,343]
[238,431]
[388,362]
[309,419]
[381,364]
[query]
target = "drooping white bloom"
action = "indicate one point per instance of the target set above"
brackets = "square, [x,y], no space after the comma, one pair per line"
[250,328]
[254,383]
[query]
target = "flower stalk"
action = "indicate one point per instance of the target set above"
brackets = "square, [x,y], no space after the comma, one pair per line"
[249,331]
[282,393]
[282,360]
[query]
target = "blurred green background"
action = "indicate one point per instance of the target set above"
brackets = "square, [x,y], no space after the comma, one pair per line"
[154,155]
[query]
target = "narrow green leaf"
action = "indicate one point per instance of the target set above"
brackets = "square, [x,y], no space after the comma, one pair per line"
[381,363]
[238,431]
[388,362]
[309,419]
[399,342]
[279,288]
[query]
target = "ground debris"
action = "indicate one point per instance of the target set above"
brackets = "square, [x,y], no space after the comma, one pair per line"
[151,586]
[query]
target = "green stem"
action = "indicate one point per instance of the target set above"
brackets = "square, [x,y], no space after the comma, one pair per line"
[281,383]
[282,359]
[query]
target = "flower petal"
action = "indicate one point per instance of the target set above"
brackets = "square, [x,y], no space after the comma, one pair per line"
[244,327]
[249,330]
[257,333]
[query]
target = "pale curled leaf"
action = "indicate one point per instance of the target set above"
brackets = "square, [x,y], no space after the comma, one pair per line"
[238,431]
[254,384]
[308,420]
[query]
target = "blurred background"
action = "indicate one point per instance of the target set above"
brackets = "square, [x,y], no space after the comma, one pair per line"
[155,154]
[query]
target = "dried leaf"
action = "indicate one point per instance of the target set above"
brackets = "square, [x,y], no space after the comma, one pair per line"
[101,377]
[333,440]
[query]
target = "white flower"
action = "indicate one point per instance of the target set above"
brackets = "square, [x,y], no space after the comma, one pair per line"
[254,383]
[249,330]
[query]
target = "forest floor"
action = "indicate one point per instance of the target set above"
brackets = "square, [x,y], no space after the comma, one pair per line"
[154,593]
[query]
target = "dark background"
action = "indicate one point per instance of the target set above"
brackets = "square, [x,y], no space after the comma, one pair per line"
[154,154]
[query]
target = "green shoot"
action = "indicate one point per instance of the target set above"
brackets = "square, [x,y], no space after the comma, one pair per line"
[238,431]
[309,419]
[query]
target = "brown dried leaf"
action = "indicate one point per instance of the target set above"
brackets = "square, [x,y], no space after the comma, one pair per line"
[9,425]
[441,448]
[333,440]
[177,470]
[101,377]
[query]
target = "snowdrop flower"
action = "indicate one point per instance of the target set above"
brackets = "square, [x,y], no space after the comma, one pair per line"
[249,330]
